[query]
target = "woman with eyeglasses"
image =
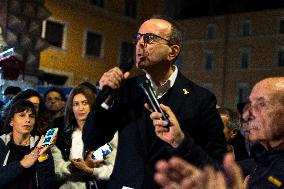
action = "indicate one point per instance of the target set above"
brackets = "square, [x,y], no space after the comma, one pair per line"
[70,166]
[20,149]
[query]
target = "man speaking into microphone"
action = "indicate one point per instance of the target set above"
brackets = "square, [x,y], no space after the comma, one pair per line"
[198,138]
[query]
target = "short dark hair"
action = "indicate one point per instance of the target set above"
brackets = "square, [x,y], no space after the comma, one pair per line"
[55,89]
[19,106]
[234,118]
[26,94]
[12,90]
[176,36]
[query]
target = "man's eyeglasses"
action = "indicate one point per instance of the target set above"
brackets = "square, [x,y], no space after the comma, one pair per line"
[149,38]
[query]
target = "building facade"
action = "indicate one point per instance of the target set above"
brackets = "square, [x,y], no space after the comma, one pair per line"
[228,54]
[88,37]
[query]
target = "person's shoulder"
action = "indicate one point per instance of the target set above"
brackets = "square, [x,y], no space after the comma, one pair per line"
[136,79]
[5,138]
[194,87]
[58,122]
[133,82]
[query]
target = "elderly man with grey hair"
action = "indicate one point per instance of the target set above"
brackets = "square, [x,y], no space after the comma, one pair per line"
[264,125]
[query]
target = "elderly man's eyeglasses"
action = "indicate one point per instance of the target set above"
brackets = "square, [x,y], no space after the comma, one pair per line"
[149,38]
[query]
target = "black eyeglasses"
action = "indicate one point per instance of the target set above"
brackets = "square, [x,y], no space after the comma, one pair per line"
[149,38]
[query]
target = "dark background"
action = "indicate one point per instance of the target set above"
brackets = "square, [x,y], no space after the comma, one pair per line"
[180,9]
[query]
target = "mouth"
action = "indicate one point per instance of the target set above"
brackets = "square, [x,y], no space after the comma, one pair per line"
[82,114]
[249,127]
[27,126]
[141,58]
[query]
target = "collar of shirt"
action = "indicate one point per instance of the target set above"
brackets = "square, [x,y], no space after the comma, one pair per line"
[165,87]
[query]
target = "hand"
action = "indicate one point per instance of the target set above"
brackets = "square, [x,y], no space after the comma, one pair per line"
[174,173]
[92,162]
[80,166]
[179,174]
[32,157]
[168,132]
[113,78]
[42,149]
[234,172]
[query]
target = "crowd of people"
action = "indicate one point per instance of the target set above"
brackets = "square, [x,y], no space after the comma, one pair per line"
[198,145]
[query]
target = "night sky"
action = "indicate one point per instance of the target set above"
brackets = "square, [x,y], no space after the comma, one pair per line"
[196,8]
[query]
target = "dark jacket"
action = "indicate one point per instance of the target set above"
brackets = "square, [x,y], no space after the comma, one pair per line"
[44,177]
[139,148]
[266,168]
[239,146]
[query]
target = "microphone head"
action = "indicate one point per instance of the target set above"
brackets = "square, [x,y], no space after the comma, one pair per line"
[126,66]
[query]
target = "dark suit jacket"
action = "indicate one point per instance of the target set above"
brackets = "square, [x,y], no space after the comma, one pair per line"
[139,148]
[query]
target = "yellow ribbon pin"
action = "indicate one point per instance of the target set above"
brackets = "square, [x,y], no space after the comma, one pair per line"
[274,181]
[42,157]
[185,91]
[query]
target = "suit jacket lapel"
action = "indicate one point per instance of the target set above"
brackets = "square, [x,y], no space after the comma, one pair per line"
[178,92]
[176,103]
[141,121]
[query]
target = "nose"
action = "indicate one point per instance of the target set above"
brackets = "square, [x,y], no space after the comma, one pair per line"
[81,106]
[140,43]
[28,119]
[248,114]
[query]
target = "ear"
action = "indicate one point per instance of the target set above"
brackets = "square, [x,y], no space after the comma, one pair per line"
[234,132]
[11,123]
[174,52]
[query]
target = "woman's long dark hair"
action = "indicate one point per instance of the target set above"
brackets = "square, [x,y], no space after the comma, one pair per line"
[70,122]
[17,107]
[69,115]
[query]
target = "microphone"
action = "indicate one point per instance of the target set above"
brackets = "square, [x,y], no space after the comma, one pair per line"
[105,92]
[149,93]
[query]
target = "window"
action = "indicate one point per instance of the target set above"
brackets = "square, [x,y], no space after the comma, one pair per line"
[93,44]
[246,29]
[54,32]
[281,28]
[245,56]
[281,56]
[127,52]
[99,3]
[209,60]
[243,92]
[211,31]
[130,8]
